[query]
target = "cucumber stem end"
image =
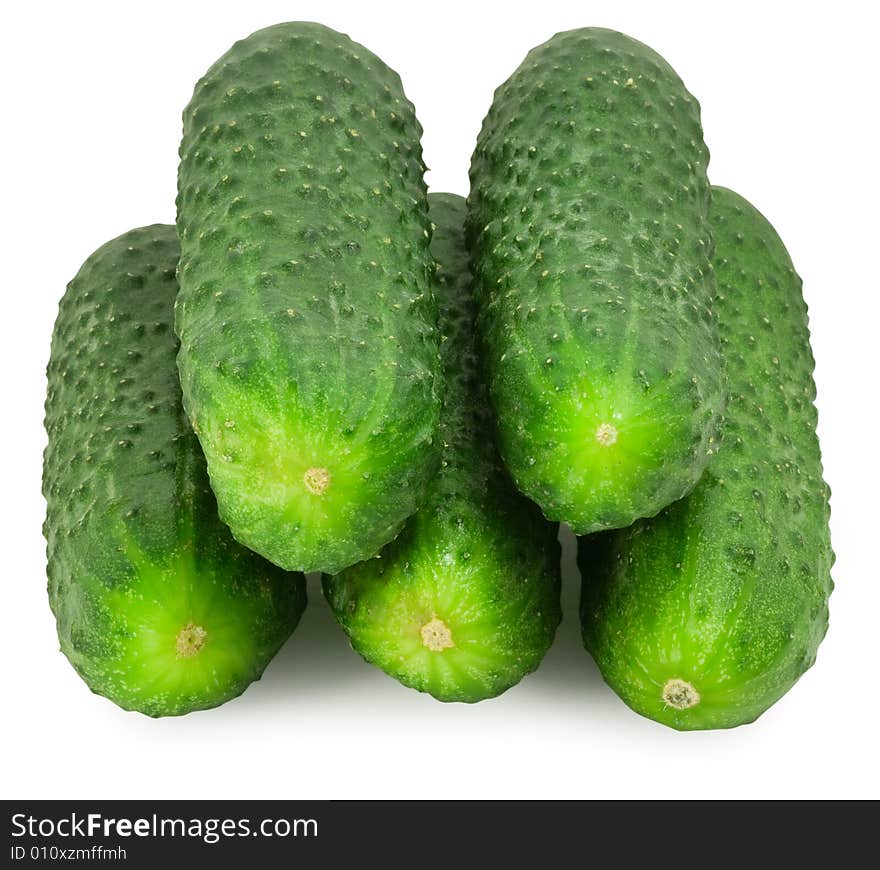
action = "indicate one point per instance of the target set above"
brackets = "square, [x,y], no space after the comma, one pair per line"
[680,694]
[606,434]
[190,639]
[436,635]
[316,480]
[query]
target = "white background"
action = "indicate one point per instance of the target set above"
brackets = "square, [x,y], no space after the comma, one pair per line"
[91,102]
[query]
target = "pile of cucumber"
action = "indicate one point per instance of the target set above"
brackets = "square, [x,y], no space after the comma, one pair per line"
[322,368]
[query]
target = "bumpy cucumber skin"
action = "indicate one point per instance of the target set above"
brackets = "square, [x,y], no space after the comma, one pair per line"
[478,555]
[135,548]
[308,330]
[728,589]
[588,226]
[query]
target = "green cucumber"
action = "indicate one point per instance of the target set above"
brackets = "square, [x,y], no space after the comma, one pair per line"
[466,601]
[157,607]
[309,354]
[704,616]
[588,226]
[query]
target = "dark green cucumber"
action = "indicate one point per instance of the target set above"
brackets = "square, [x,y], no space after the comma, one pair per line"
[158,608]
[707,614]
[588,225]
[466,601]
[309,353]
